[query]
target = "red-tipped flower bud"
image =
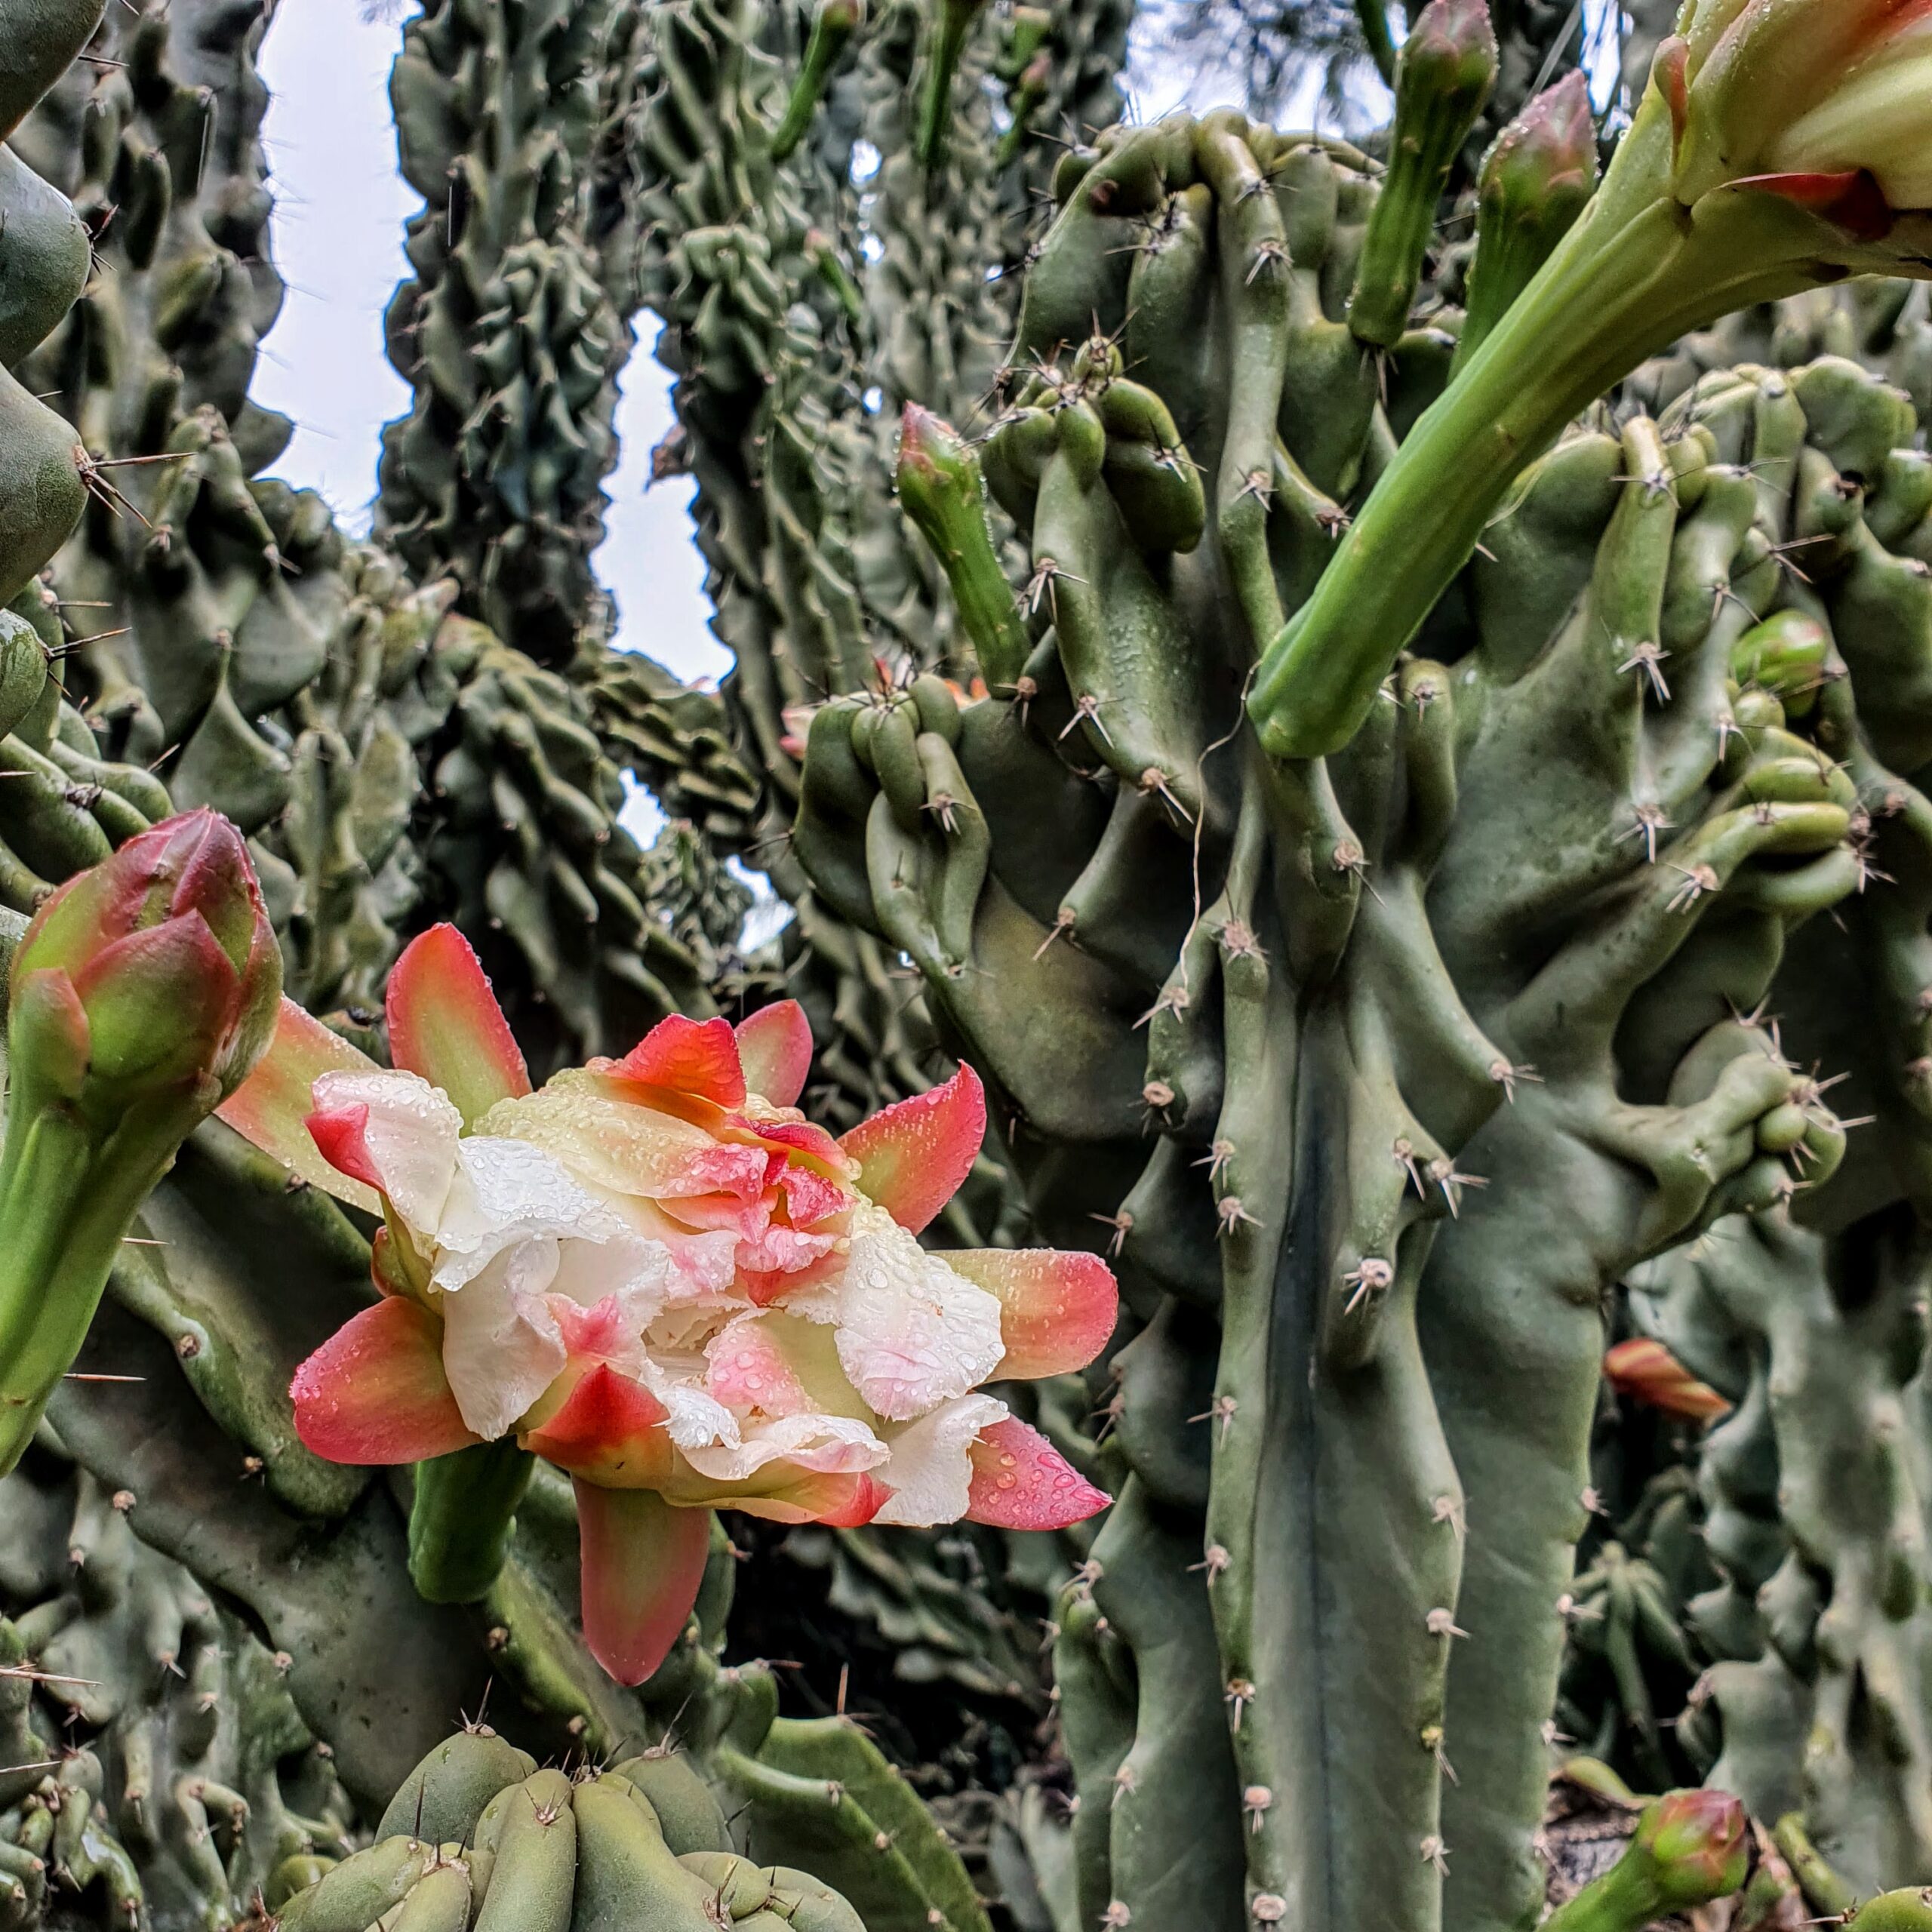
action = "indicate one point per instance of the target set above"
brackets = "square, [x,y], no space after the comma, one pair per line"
[162,965]
[1648,1373]
[1694,1842]
[1536,181]
[1451,54]
[1544,168]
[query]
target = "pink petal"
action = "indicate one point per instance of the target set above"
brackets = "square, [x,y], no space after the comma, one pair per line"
[1057,1308]
[375,1392]
[1853,200]
[800,1136]
[609,1428]
[1021,1482]
[699,1058]
[775,1045]
[914,1155]
[642,1562]
[747,1369]
[341,1137]
[846,1502]
[271,1107]
[445,1024]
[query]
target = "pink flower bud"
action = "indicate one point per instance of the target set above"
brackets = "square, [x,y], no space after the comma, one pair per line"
[162,960]
[1695,1842]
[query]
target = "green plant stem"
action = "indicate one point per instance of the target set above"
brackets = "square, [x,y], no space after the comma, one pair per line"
[1638,272]
[64,1205]
[1374,15]
[461,1517]
[1624,1899]
[955,16]
[830,32]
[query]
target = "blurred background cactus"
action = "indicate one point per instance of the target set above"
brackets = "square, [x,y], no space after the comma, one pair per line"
[1400,1085]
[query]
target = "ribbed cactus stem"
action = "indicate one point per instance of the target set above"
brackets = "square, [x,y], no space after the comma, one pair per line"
[1442,82]
[951,21]
[1536,181]
[833,25]
[940,489]
[461,1518]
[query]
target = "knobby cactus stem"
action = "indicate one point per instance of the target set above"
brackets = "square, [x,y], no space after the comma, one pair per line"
[1639,270]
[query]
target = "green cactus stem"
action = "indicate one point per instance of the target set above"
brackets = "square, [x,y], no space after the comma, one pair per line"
[833,25]
[951,21]
[1373,16]
[1536,181]
[1442,82]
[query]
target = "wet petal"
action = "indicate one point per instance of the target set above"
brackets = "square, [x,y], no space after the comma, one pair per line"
[375,1392]
[930,1473]
[1021,1482]
[406,1140]
[813,1444]
[1057,1308]
[912,1334]
[914,1155]
[445,1024]
[696,1057]
[502,1347]
[775,1047]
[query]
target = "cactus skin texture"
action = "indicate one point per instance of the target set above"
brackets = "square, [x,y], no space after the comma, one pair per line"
[181,1776]
[1457,954]
[478,1837]
[508,330]
[43,264]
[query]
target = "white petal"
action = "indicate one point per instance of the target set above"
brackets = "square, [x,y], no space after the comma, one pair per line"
[507,1192]
[696,1419]
[930,1474]
[912,1334]
[501,1346]
[829,1445]
[411,1136]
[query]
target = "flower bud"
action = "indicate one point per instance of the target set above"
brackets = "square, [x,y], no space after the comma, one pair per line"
[1648,1373]
[1694,1844]
[1536,179]
[167,965]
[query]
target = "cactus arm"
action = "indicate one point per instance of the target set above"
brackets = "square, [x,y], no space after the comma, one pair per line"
[833,26]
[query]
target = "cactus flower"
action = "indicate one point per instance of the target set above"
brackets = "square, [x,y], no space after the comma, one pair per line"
[1648,1373]
[1798,91]
[658,1275]
[1781,144]
[141,995]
